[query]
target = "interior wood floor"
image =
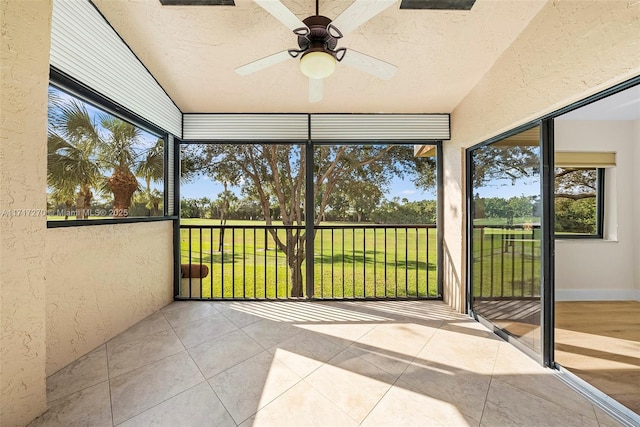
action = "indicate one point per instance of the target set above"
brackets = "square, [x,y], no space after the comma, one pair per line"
[599,341]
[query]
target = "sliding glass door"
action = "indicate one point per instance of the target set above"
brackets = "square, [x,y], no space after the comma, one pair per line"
[506,242]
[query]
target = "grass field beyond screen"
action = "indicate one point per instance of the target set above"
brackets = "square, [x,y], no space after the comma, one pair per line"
[348,263]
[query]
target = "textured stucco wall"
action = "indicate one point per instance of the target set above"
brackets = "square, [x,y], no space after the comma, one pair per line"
[101,280]
[570,50]
[602,268]
[24,62]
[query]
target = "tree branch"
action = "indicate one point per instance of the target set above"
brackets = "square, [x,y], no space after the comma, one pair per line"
[575,196]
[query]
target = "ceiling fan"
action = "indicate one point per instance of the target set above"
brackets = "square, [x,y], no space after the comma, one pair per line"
[318,37]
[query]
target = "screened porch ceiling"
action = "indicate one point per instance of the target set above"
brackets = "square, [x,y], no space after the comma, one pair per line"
[192,51]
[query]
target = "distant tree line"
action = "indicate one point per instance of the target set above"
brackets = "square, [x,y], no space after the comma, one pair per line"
[395,211]
[576,215]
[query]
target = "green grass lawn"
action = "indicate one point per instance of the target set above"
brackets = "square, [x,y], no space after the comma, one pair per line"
[348,263]
[506,263]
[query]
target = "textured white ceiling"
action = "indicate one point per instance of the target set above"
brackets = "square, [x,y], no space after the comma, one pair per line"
[193,50]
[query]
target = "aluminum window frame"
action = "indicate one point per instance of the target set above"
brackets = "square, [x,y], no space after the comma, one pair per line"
[600,212]
[87,95]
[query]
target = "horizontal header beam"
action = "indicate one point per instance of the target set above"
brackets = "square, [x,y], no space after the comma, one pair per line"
[318,127]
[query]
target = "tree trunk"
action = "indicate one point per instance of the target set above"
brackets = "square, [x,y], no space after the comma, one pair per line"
[156,207]
[88,197]
[223,222]
[80,205]
[68,205]
[122,184]
[294,252]
[295,275]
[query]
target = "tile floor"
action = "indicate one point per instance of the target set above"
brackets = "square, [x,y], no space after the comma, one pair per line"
[289,363]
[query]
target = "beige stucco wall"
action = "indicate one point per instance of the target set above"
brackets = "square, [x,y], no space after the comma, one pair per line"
[570,50]
[24,62]
[101,280]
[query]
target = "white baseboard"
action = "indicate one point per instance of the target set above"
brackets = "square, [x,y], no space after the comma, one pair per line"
[597,295]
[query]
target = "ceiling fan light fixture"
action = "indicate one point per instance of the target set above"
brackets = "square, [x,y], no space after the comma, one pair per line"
[317,64]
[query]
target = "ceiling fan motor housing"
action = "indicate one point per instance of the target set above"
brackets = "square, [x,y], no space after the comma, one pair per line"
[319,36]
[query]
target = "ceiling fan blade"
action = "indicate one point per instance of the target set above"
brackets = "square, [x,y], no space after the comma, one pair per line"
[265,62]
[281,13]
[315,90]
[369,64]
[360,12]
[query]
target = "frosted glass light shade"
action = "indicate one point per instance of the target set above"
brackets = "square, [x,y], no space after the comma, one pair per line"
[317,65]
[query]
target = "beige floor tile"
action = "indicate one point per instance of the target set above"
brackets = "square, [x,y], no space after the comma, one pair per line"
[404,407]
[416,311]
[252,384]
[147,326]
[205,329]
[130,355]
[604,419]
[180,313]
[219,354]
[311,409]
[463,389]
[89,407]
[342,334]
[196,407]
[139,390]
[392,346]
[389,361]
[516,369]
[460,350]
[268,333]
[240,318]
[510,361]
[87,371]
[351,383]
[404,340]
[507,405]
[305,352]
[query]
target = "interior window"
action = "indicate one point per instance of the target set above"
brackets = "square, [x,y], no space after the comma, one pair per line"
[578,194]
[98,165]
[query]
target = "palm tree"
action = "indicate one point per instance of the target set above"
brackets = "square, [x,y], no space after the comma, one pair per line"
[154,197]
[80,151]
[71,147]
[151,169]
[123,153]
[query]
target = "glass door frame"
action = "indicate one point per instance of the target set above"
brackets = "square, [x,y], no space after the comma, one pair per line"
[547,301]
